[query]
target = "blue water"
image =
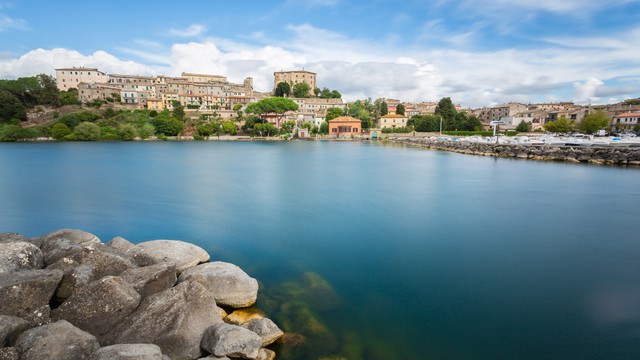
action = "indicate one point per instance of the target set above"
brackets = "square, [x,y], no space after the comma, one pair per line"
[427,254]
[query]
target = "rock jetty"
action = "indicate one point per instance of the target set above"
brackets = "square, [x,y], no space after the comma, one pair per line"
[68,295]
[575,154]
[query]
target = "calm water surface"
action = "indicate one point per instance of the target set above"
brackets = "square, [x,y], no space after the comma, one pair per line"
[370,251]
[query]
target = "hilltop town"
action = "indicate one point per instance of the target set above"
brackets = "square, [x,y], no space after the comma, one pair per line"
[215,93]
[201,105]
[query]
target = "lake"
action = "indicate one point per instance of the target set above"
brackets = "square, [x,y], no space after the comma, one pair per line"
[370,251]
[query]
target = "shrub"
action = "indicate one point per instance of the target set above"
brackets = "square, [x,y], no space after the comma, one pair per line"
[87,131]
[153,113]
[109,134]
[146,130]
[127,132]
[59,131]
[71,120]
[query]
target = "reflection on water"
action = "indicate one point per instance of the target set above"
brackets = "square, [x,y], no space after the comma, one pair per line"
[366,251]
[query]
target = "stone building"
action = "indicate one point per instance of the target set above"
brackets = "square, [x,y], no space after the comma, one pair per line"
[67,78]
[295,77]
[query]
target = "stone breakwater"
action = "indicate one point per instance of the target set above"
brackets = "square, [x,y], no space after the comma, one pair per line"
[574,154]
[68,295]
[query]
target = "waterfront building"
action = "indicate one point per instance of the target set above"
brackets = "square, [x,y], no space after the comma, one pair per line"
[393,121]
[345,126]
[625,121]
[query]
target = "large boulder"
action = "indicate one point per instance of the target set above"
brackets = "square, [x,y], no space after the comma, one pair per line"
[152,279]
[9,353]
[10,328]
[20,255]
[65,242]
[88,264]
[230,285]
[12,237]
[231,340]
[128,352]
[120,243]
[266,354]
[27,293]
[266,329]
[99,306]
[180,253]
[58,340]
[174,319]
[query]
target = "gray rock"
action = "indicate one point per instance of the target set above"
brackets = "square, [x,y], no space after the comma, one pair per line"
[99,306]
[266,354]
[230,285]
[213,357]
[39,316]
[231,340]
[152,279]
[180,253]
[12,237]
[9,353]
[65,242]
[174,319]
[10,328]
[120,243]
[265,328]
[128,352]
[88,264]
[58,340]
[20,255]
[26,292]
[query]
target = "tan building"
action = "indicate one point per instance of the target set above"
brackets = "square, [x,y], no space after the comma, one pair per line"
[393,121]
[345,126]
[625,121]
[295,77]
[67,78]
[89,92]
[203,78]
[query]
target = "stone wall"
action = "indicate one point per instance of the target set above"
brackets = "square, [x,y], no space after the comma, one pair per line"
[575,154]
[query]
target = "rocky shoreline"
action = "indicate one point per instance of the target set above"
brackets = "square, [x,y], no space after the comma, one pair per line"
[623,156]
[68,295]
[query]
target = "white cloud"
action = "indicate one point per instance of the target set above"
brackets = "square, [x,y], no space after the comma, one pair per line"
[191,31]
[8,23]
[361,68]
[46,61]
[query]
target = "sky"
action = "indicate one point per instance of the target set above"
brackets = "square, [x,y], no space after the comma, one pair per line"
[479,53]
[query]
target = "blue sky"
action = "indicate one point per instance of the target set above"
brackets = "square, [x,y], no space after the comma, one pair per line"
[479,53]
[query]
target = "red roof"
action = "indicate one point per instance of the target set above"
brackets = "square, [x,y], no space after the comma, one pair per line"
[628,114]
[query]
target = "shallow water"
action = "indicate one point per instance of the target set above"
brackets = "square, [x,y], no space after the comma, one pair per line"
[370,251]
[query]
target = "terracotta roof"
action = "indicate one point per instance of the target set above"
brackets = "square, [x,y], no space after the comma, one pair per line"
[396,116]
[628,114]
[344,119]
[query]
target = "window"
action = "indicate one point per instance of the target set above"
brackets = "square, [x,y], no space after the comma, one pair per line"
[355,129]
[334,130]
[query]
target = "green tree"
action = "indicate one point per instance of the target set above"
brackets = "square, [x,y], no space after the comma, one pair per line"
[523,126]
[11,108]
[146,130]
[167,125]
[400,109]
[473,124]
[335,94]
[283,89]
[324,128]
[71,120]
[127,132]
[301,90]
[316,92]
[178,110]
[597,120]
[69,97]
[561,125]
[384,108]
[59,131]
[332,113]
[87,131]
[426,123]
[228,127]
[274,105]
[447,110]
[359,110]
[266,129]
[287,127]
